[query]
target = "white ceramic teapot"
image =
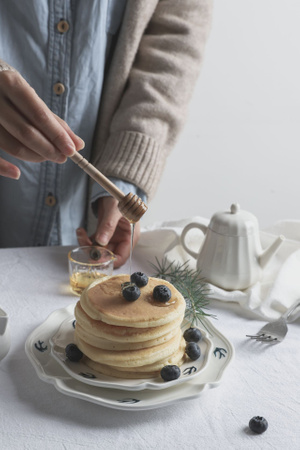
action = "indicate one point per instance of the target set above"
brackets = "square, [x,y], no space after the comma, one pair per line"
[4,334]
[231,255]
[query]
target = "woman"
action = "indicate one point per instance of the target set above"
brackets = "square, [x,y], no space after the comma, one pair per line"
[119,74]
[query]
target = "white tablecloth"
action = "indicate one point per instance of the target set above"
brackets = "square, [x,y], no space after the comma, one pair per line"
[262,380]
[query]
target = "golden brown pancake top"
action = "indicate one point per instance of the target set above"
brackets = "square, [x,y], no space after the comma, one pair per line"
[106,298]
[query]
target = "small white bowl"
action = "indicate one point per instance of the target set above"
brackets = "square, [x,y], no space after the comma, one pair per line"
[4,334]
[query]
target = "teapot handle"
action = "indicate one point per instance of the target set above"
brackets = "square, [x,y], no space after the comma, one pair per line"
[3,322]
[186,229]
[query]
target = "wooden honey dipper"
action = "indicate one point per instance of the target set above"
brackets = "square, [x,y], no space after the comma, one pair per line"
[130,205]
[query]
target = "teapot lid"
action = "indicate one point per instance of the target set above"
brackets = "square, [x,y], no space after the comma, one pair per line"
[235,222]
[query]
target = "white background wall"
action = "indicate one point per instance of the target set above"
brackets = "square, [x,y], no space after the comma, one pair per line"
[242,137]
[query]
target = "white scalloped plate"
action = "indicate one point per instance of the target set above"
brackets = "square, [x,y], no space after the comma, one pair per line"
[38,350]
[81,372]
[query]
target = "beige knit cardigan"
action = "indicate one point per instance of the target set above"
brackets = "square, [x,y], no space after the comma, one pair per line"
[148,84]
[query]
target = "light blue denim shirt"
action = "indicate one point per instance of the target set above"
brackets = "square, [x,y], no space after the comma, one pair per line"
[56,45]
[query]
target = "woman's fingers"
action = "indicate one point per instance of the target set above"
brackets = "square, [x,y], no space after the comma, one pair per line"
[79,143]
[28,136]
[108,219]
[16,148]
[82,237]
[24,115]
[9,170]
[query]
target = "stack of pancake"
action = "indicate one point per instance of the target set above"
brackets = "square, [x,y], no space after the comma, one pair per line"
[129,339]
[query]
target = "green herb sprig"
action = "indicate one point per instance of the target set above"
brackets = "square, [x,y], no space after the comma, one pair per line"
[189,283]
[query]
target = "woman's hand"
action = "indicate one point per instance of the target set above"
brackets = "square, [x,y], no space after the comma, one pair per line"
[28,128]
[113,231]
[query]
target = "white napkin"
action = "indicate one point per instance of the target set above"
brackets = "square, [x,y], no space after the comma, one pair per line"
[269,298]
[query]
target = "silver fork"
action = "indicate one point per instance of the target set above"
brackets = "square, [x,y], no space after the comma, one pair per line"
[276,331]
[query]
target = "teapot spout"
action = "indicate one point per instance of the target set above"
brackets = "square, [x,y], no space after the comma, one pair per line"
[267,254]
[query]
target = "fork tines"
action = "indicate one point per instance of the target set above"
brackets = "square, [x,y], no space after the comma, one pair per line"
[262,337]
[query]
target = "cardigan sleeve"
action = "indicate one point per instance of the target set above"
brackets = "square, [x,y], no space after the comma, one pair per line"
[154,104]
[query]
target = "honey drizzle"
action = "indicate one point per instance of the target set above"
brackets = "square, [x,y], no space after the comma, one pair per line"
[154,302]
[132,225]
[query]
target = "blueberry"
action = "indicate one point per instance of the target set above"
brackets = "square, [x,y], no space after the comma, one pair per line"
[162,293]
[73,353]
[95,254]
[192,335]
[258,424]
[139,278]
[193,351]
[131,292]
[169,373]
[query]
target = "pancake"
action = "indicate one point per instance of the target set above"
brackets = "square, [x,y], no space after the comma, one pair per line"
[148,371]
[107,344]
[130,358]
[121,333]
[127,339]
[103,300]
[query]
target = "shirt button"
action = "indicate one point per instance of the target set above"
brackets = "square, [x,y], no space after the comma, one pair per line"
[50,200]
[62,26]
[58,88]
